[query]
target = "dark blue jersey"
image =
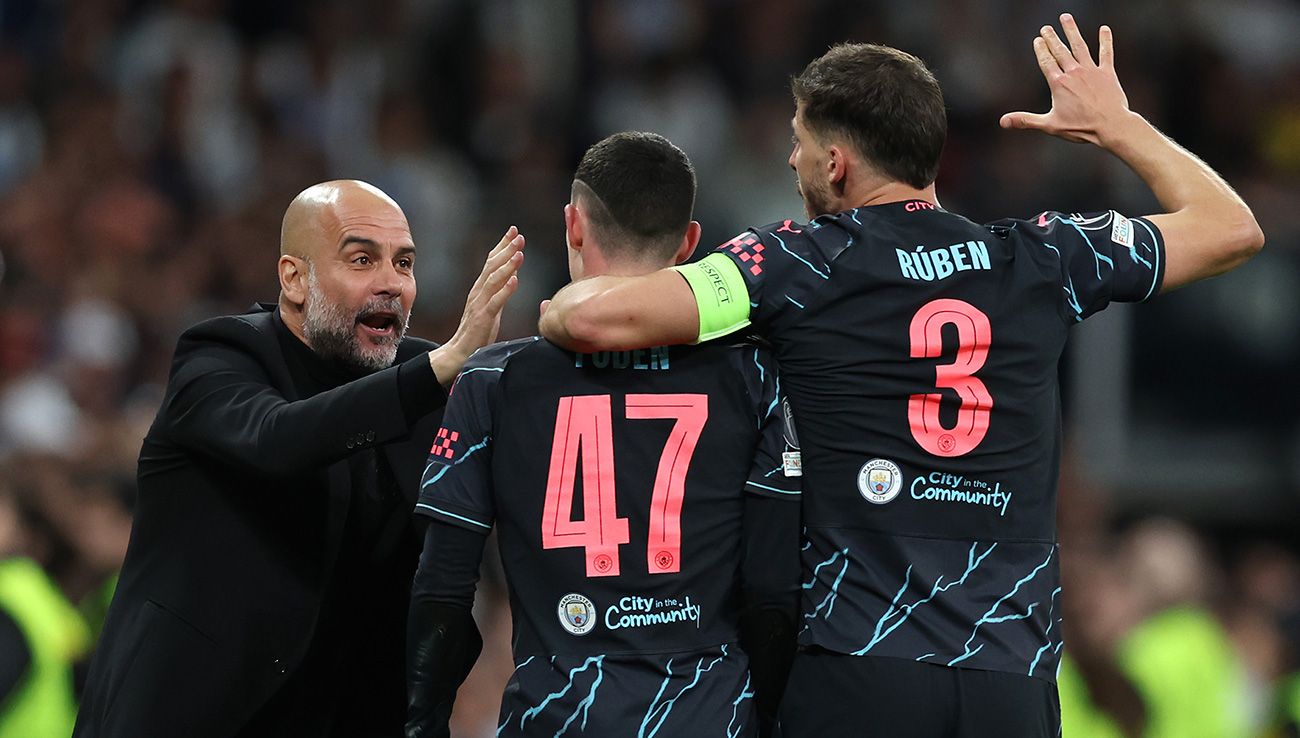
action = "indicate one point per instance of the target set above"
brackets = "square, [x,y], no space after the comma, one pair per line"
[616,484]
[920,352]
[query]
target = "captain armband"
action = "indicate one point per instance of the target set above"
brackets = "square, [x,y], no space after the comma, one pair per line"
[720,294]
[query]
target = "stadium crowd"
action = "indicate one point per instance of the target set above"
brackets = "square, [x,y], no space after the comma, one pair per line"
[148,150]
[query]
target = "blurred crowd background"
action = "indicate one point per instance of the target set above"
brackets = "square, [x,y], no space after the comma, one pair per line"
[148,150]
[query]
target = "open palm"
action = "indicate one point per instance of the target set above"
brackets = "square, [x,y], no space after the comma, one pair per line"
[1087,98]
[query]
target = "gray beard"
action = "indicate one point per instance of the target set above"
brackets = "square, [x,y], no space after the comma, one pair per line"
[331,332]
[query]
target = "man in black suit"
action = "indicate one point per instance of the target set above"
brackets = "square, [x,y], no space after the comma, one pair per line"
[265,589]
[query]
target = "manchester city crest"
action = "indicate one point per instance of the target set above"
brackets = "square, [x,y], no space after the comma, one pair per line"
[879,481]
[577,614]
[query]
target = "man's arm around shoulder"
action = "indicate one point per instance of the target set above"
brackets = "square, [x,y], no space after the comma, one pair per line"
[609,313]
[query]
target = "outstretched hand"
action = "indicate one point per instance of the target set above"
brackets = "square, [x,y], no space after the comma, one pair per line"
[487,298]
[481,320]
[1087,99]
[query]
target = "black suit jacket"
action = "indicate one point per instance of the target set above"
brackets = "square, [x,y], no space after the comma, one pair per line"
[243,497]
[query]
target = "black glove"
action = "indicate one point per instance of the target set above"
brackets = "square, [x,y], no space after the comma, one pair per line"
[442,644]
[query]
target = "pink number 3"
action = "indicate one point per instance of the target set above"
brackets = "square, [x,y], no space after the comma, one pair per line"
[974,336]
[584,425]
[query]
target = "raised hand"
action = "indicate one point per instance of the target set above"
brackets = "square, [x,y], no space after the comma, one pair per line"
[482,317]
[1087,99]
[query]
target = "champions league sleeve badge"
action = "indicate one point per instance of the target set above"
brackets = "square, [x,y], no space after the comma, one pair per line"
[577,614]
[879,481]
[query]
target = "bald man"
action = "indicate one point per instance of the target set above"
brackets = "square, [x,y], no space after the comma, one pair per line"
[266,585]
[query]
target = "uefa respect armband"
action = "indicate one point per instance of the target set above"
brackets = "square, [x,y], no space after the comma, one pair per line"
[720,294]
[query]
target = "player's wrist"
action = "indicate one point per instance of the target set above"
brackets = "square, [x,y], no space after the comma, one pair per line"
[1122,131]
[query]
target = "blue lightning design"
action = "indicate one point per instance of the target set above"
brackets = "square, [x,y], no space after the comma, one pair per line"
[667,707]
[1133,252]
[1097,256]
[1155,270]
[776,397]
[1069,288]
[735,709]
[988,616]
[583,706]
[468,452]
[806,263]
[829,600]
[1050,622]
[884,628]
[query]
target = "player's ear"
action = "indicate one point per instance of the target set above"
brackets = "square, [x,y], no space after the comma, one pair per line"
[689,241]
[573,227]
[293,279]
[837,161]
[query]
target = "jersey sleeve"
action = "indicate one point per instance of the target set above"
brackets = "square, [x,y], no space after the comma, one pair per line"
[778,267]
[777,468]
[1102,257]
[456,487]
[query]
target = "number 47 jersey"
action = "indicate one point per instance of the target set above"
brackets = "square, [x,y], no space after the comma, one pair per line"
[920,353]
[616,482]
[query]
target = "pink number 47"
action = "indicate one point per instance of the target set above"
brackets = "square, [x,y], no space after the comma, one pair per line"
[584,426]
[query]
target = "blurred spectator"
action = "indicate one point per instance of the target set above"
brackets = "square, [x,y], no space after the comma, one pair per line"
[1097,697]
[1179,655]
[22,138]
[41,634]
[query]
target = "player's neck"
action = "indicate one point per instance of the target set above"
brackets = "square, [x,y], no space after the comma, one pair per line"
[887,192]
[596,263]
[630,268]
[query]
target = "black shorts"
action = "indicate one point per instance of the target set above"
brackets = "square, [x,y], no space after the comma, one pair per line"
[833,695]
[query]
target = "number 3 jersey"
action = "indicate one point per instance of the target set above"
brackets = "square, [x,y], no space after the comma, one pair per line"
[616,482]
[920,353]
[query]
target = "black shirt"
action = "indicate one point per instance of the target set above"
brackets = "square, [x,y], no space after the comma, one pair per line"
[920,352]
[616,484]
[376,498]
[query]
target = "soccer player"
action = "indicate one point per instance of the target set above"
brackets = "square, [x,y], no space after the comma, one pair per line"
[920,354]
[617,484]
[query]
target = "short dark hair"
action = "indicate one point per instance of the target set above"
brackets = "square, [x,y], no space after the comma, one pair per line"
[644,191]
[885,101]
